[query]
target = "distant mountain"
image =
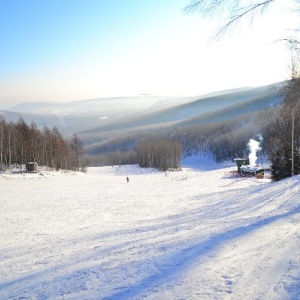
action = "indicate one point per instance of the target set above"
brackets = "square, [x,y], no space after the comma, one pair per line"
[81,115]
[101,105]
[40,120]
[107,118]
[264,100]
[206,109]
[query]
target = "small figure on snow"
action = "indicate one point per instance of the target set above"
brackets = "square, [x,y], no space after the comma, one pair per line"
[127,179]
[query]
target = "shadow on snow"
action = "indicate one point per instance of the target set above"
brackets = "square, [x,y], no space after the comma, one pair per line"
[186,256]
[169,266]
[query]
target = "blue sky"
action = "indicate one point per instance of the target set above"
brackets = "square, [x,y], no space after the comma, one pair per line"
[63,50]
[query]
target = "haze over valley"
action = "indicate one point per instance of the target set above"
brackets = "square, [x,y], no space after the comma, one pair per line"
[97,120]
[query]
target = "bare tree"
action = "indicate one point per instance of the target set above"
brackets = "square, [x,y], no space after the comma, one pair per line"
[2,124]
[162,154]
[21,144]
[76,153]
[233,11]
[22,130]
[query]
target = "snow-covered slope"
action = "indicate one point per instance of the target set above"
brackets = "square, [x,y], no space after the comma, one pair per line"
[194,234]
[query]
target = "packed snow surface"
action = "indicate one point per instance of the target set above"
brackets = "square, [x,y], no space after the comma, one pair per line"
[191,234]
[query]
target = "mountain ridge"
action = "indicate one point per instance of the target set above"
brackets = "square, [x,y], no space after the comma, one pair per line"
[103,118]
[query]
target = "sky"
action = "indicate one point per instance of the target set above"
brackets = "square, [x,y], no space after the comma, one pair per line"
[64,50]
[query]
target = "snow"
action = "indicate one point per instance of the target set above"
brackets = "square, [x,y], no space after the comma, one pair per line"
[199,233]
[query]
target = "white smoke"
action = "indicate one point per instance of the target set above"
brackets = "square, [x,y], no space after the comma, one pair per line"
[254,146]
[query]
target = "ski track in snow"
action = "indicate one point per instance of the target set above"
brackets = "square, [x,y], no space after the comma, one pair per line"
[193,234]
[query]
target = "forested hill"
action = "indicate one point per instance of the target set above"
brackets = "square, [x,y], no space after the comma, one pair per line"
[166,121]
[207,109]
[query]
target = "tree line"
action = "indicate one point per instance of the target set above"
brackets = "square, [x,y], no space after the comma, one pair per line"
[162,155]
[221,141]
[21,143]
[282,133]
[149,152]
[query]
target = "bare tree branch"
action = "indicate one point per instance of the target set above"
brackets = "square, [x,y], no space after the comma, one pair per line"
[237,10]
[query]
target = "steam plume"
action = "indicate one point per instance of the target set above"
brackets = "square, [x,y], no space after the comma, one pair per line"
[253,146]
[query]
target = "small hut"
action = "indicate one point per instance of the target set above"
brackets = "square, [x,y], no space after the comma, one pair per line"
[241,162]
[32,167]
[252,171]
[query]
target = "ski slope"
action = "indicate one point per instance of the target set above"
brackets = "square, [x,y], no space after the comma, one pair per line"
[194,234]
